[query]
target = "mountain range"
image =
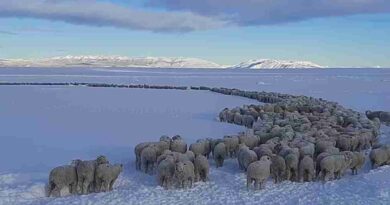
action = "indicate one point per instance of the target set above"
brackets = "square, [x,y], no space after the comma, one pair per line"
[150,62]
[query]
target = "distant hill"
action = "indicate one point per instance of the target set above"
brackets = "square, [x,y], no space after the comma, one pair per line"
[275,64]
[150,62]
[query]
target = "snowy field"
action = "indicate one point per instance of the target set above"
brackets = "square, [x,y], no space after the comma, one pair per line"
[43,127]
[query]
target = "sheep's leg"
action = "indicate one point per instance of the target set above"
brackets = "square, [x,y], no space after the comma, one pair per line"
[248,182]
[57,191]
[85,187]
[288,174]
[137,163]
[50,188]
[309,177]
[111,185]
[72,188]
[80,181]
[257,184]
[98,185]
[191,181]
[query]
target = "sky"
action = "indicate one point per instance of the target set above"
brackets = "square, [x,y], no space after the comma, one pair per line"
[334,33]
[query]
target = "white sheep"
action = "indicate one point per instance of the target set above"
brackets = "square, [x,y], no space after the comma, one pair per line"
[61,177]
[202,167]
[106,176]
[258,172]
[334,166]
[245,157]
[306,169]
[185,174]
[219,154]
[166,172]
[149,158]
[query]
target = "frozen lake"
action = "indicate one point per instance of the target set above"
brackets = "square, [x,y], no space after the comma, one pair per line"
[42,127]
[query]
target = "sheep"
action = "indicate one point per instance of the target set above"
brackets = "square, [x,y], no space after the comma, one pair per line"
[178,145]
[334,166]
[219,154]
[213,143]
[318,161]
[165,154]
[230,116]
[62,177]
[249,140]
[292,161]
[245,157]
[248,120]
[149,158]
[262,151]
[223,115]
[106,176]
[278,168]
[308,149]
[137,151]
[365,140]
[286,150]
[165,138]
[346,143]
[177,137]
[358,160]
[379,157]
[188,156]
[322,145]
[86,174]
[207,146]
[162,145]
[237,119]
[231,143]
[201,165]
[184,173]
[201,147]
[306,169]
[258,171]
[166,172]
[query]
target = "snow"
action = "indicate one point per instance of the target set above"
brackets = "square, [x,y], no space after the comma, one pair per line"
[113,61]
[275,64]
[150,62]
[43,127]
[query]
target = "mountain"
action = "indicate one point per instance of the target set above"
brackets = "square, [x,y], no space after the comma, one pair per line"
[112,61]
[149,62]
[275,64]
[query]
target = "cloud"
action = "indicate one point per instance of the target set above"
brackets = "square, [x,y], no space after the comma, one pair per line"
[98,13]
[8,32]
[263,12]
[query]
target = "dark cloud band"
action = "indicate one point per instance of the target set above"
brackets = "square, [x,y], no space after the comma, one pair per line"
[96,13]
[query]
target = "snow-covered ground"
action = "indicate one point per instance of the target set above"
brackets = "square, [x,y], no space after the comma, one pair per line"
[42,127]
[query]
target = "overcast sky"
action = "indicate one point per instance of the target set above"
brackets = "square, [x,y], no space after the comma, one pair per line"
[327,32]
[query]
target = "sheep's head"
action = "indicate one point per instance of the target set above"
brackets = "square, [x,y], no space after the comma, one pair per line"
[165,138]
[265,158]
[75,162]
[102,160]
[180,167]
[348,156]
[176,137]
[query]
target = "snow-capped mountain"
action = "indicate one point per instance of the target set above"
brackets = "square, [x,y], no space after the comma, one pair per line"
[275,64]
[112,61]
[149,62]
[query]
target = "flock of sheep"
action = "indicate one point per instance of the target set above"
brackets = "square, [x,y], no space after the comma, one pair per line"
[296,138]
[83,177]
